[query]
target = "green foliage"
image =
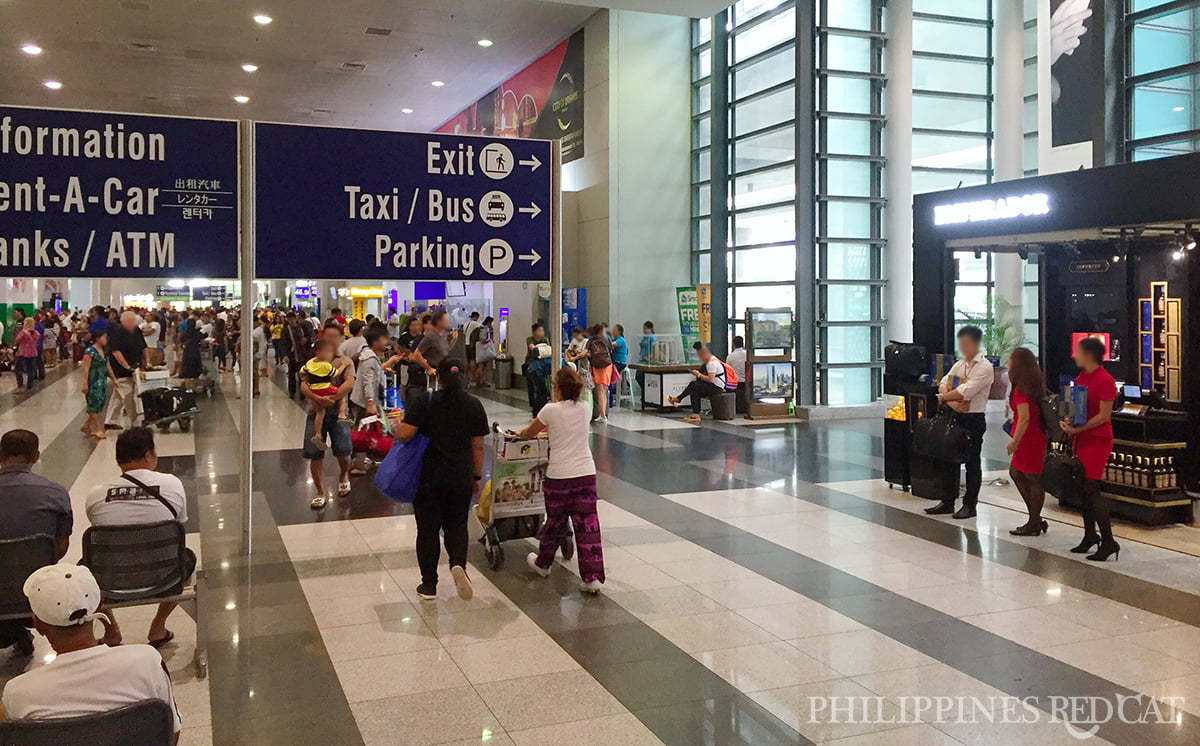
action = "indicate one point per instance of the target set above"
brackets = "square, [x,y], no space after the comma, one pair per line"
[1003,328]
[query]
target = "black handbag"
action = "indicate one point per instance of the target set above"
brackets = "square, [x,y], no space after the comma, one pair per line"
[906,360]
[1062,475]
[942,438]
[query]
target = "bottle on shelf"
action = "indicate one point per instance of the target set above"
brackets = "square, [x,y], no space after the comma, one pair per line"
[1172,477]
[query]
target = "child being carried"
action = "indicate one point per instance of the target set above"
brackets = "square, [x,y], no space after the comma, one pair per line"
[319,374]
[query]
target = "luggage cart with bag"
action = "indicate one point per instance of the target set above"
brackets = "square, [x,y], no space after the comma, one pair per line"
[162,404]
[512,504]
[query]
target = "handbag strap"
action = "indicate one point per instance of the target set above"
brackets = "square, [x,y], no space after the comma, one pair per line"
[154,492]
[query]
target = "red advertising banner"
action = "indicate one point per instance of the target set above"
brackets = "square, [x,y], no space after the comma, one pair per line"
[543,101]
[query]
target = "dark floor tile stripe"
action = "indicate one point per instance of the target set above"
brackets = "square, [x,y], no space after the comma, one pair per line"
[270,677]
[14,399]
[64,457]
[1156,598]
[962,646]
[678,698]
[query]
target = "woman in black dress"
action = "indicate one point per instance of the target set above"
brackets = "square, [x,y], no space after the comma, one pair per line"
[192,367]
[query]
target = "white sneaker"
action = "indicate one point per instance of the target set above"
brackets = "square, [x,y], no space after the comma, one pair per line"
[531,559]
[462,583]
[592,586]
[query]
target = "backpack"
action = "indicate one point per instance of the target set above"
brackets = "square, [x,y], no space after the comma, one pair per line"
[599,353]
[731,379]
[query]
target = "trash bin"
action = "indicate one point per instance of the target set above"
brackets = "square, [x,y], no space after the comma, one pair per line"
[503,368]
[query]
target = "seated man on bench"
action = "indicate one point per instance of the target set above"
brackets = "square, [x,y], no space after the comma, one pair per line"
[706,382]
[138,497]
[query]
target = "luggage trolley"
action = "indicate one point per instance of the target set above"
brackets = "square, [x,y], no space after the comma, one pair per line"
[512,504]
[161,404]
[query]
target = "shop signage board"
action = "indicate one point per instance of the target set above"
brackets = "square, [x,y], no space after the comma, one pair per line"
[90,194]
[344,203]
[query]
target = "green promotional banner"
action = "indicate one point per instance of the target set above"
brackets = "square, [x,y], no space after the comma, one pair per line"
[689,320]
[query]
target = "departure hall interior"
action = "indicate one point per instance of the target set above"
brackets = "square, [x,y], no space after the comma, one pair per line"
[607,372]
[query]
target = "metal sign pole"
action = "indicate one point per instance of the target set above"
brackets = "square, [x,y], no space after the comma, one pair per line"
[556,280]
[249,365]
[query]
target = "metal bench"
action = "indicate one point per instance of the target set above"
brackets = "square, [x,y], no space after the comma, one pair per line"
[18,559]
[147,564]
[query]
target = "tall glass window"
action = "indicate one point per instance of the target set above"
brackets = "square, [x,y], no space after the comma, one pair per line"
[1162,78]
[701,147]
[952,94]
[1029,153]
[849,178]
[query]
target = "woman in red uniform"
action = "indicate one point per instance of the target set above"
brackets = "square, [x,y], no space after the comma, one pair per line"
[1028,444]
[1093,446]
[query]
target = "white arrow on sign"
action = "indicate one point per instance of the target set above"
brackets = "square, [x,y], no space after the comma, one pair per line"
[533,210]
[532,161]
[532,257]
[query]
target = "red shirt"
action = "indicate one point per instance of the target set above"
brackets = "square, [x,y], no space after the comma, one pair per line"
[1093,447]
[1031,453]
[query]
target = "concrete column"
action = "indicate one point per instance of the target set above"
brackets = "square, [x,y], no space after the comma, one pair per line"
[898,218]
[1009,133]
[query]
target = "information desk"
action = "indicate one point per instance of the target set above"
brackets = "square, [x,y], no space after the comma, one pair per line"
[661,381]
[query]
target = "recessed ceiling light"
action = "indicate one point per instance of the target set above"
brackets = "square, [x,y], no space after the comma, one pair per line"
[31,49]
[406,111]
[242,99]
[53,85]
[1177,108]
[263,19]
[250,67]
[437,84]
[485,42]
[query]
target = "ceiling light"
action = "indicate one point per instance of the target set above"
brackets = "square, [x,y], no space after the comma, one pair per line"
[485,42]
[406,111]
[53,85]
[242,99]
[437,84]
[262,19]
[31,49]
[1177,108]
[250,67]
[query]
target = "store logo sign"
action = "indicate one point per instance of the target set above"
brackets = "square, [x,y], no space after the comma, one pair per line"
[992,209]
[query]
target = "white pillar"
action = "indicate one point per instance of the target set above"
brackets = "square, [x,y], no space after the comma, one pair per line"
[1010,134]
[898,218]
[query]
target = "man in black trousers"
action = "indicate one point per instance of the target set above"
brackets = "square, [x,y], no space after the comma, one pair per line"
[965,389]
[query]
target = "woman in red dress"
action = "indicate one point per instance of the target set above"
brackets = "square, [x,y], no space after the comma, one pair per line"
[1093,446]
[1028,444]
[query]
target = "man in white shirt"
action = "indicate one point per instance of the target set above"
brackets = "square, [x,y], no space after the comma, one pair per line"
[140,496]
[708,381]
[355,343]
[85,677]
[737,361]
[965,389]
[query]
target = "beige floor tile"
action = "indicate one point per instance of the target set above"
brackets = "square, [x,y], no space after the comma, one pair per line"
[398,675]
[388,637]
[1120,661]
[665,602]
[319,589]
[935,680]
[1033,628]
[485,739]
[625,730]
[711,570]
[1184,691]
[804,708]
[1109,617]
[1181,642]
[800,619]
[425,719]
[192,700]
[548,699]
[770,665]
[198,736]
[747,593]
[862,652]
[909,735]
[479,626]
[497,660]
[376,607]
[700,633]
[669,551]
[962,599]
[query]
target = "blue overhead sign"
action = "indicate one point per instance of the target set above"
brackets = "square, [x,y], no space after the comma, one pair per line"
[342,203]
[86,194]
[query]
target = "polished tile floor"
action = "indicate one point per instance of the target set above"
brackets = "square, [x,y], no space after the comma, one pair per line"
[765,587]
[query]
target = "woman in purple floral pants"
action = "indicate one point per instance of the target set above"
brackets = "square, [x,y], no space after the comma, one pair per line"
[570,484]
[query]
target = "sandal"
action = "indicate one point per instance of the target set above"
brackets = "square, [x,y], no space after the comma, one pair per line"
[160,642]
[344,488]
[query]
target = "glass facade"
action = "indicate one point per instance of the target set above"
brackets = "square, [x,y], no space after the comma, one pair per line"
[1162,78]
[758,191]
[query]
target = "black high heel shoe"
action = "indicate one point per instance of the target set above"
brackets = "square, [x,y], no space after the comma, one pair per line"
[1030,529]
[1105,551]
[1086,545]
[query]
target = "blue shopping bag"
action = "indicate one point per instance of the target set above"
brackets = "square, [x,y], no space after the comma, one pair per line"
[391,397]
[400,473]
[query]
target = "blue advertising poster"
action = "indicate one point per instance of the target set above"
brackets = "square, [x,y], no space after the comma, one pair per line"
[88,194]
[343,203]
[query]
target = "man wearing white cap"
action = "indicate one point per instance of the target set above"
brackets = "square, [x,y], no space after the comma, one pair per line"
[86,677]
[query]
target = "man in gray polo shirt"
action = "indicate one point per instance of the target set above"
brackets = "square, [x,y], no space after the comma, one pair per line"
[30,504]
